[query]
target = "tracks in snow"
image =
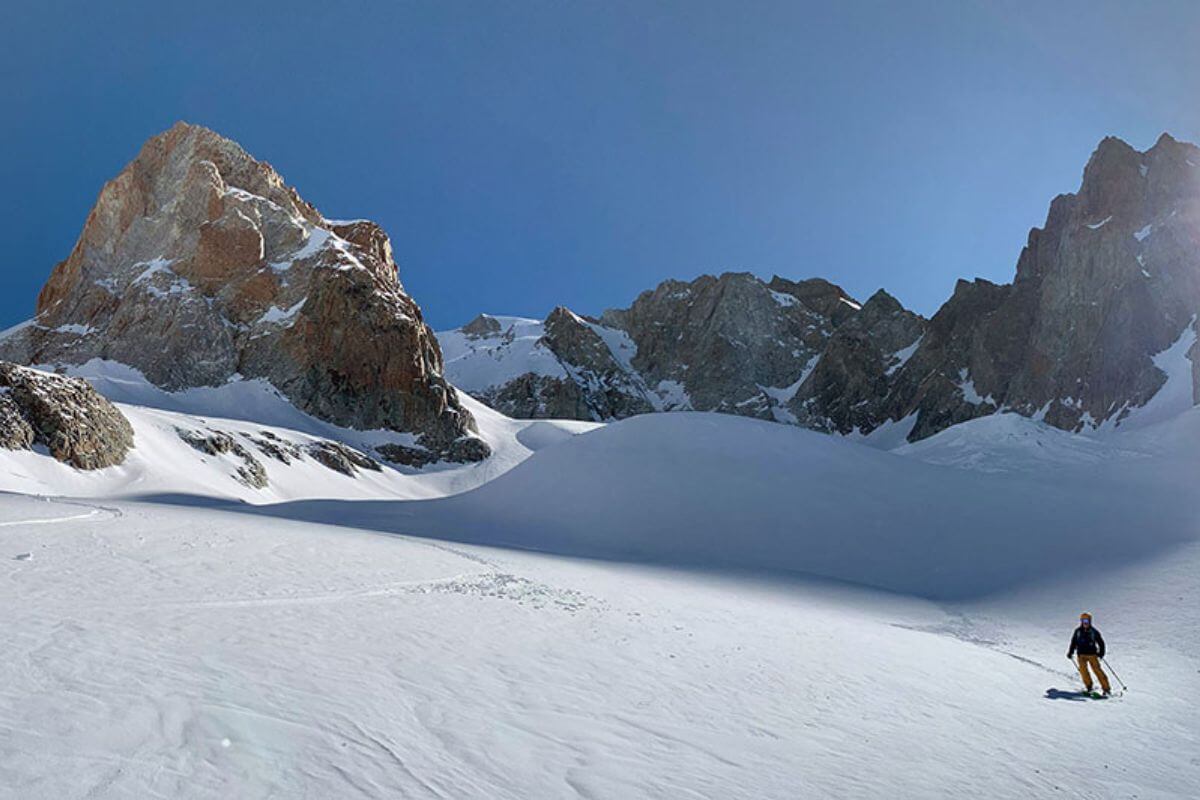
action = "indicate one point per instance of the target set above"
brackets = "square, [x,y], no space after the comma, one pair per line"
[92,511]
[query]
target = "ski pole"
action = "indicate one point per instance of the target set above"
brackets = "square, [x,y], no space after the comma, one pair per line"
[1124,688]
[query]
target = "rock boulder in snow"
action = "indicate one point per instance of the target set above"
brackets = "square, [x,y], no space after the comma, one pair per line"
[340,458]
[65,415]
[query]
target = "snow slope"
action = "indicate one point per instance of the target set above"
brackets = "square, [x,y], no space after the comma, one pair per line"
[1007,442]
[479,363]
[210,653]
[720,492]
[162,463]
[676,605]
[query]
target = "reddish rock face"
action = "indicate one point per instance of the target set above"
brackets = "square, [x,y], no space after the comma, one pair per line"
[198,263]
[228,247]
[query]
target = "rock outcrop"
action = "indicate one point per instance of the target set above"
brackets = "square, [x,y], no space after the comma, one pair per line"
[65,415]
[1104,293]
[849,386]
[248,469]
[198,263]
[250,472]
[568,367]
[729,343]
[340,458]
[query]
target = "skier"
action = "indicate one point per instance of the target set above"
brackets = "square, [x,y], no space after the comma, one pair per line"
[1089,644]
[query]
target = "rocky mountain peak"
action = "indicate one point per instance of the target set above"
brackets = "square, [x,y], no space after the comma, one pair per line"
[879,304]
[1104,287]
[483,325]
[1112,181]
[199,263]
[819,296]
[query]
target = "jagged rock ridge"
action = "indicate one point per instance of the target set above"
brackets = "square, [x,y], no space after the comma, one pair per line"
[1108,283]
[199,264]
[1102,291]
[732,343]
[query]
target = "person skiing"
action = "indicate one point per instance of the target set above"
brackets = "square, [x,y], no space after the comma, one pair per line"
[1089,644]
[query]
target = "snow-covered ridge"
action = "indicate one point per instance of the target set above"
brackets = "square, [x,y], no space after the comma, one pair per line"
[245,441]
[476,363]
[532,368]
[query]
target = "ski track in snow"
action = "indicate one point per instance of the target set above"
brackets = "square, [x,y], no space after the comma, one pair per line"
[92,511]
[208,654]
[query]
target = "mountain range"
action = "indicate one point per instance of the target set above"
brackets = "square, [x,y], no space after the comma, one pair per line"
[1106,292]
[200,268]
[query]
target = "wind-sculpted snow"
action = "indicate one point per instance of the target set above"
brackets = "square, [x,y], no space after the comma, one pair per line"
[720,492]
[187,646]
[193,652]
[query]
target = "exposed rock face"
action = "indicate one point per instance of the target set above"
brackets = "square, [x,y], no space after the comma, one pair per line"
[530,396]
[731,343]
[463,451]
[1108,283]
[1104,291]
[251,472]
[566,367]
[67,416]
[15,431]
[936,384]
[609,389]
[340,458]
[724,343]
[199,263]
[849,386]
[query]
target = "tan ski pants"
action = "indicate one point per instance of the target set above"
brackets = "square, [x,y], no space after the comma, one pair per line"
[1092,662]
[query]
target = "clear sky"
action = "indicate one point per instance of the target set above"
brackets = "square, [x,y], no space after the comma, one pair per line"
[525,154]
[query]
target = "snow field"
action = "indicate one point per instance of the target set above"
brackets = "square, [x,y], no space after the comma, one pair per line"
[676,605]
[208,653]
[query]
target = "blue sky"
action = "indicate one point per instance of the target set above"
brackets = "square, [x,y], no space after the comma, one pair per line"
[528,154]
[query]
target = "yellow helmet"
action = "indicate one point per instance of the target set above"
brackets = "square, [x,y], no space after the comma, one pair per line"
[1085,615]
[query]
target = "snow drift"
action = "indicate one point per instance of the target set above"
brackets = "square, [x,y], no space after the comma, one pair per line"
[721,492]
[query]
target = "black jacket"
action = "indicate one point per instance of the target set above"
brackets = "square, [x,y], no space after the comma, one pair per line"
[1087,642]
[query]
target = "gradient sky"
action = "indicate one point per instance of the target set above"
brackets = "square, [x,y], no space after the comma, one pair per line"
[527,154]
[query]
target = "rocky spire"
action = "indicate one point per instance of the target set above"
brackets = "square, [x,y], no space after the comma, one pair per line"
[199,263]
[1105,285]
